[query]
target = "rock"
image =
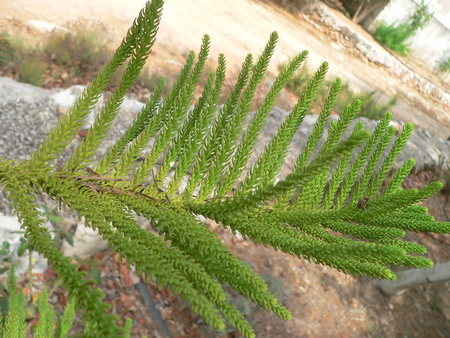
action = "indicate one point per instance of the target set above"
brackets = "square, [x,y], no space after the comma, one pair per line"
[27,114]
[44,26]
[66,98]
[428,151]
[414,277]
[133,106]
[9,229]
[12,92]
[86,242]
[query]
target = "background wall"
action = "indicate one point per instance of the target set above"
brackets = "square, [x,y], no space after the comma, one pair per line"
[430,44]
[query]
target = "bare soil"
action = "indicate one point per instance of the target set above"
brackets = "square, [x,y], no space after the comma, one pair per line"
[323,301]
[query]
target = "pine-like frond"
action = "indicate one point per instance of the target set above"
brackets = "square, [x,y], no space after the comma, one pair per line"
[20,182]
[69,125]
[46,318]
[197,164]
[14,325]
[66,321]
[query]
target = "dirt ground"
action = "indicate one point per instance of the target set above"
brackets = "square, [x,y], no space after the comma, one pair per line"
[324,302]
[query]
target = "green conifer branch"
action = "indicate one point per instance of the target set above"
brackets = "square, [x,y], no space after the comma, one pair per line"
[69,125]
[337,178]
[196,127]
[363,182]
[300,177]
[208,148]
[103,121]
[250,136]
[400,142]
[232,172]
[173,110]
[66,321]
[357,165]
[319,126]
[306,197]
[196,122]
[27,211]
[266,169]
[399,176]
[45,325]
[217,147]
[15,325]
[314,137]
[126,150]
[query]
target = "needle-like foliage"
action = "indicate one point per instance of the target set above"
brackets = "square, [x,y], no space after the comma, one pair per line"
[331,209]
[14,324]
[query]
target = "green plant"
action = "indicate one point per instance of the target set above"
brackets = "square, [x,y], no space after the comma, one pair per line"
[32,71]
[149,81]
[445,66]
[371,108]
[25,60]
[21,249]
[420,18]
[395,36]
[5,256]
[91,266]
[4,48]
[248,309]
[13,322]
[80,52]
[435,303]
[299,80]
[203,152]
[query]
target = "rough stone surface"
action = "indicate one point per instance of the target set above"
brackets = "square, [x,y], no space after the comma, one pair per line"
[9,226]
[12,92]
[85,243]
